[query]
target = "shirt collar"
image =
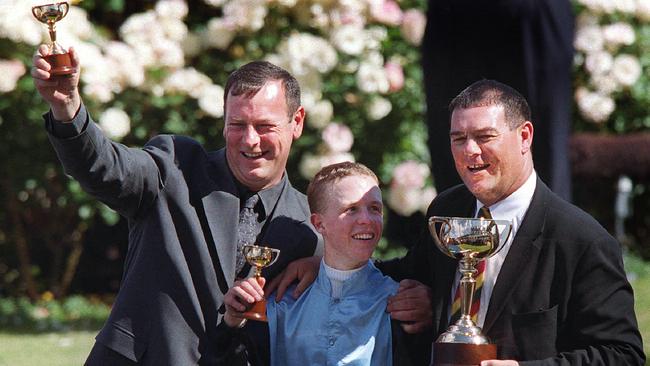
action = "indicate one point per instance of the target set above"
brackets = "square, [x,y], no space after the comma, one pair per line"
[268,196]
[514,205]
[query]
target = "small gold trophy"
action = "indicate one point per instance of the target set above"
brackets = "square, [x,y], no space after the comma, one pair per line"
[50,14]
[259,257]
[469,240]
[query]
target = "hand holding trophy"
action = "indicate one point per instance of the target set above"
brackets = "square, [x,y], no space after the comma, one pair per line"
[470,240]
[259,257]
[50,14]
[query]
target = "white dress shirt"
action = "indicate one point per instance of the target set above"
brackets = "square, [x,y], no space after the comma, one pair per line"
[512,208]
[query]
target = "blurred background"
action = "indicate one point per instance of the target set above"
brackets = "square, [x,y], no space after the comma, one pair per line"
[151,67]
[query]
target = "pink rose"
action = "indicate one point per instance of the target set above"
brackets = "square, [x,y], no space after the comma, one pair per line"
[386,12]
[338,138]
[413,24]
[395,75]
[410,174]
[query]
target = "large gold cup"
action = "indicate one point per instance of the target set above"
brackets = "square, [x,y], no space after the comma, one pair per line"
[58,58]
[259,257]
[469,240]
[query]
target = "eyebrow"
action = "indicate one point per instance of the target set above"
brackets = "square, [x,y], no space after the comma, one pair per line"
[474,132]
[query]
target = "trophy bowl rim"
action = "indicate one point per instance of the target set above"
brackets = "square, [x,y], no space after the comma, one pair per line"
[479,219]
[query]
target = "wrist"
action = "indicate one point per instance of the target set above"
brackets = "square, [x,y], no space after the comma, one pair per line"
[233,322]
[67,111]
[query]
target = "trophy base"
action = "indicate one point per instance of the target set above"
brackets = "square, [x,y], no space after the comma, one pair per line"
[257,312]
[462,354]
[61,64]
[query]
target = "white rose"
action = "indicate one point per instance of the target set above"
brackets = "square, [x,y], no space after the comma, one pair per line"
[589,39]
[626,69]
[426,197]
[219,33]
[211,100]
[378,108]
[643,9]
[115,123]
[594,107]
[349,39]
[405,201]
[605,83]
[599,62]
[309,165]
[625,6]
[618,34]
[371,78]
[320,114]
[187,81]
[174,9]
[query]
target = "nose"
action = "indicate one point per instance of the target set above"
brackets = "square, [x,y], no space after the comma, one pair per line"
[250,136]
[472,147]
[364,216]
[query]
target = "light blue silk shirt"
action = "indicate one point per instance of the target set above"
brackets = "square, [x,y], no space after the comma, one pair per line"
[317,329]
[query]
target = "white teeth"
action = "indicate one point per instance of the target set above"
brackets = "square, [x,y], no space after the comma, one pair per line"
[477,166]
[366,236]
[252,155]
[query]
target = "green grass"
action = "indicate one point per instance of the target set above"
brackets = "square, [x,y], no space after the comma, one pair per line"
[72,347]
[52,349]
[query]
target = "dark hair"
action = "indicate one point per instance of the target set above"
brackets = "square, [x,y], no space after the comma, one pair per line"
[250,78]
[327,176]
[490,92]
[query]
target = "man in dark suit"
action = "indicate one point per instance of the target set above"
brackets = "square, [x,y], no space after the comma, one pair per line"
[557,293]
[525,44]
[182,204]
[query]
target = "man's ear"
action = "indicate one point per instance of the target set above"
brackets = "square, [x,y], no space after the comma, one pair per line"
[299,119]
[317,221]
[526,134]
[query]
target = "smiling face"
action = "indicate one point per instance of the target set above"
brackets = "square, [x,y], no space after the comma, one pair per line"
[351,221]
[259,131]
[492,160]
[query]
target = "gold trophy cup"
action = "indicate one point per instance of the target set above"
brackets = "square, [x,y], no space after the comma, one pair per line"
[469,240]
[50,14]
[259,257]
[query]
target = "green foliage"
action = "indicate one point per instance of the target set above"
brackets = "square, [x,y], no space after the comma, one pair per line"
[47,314]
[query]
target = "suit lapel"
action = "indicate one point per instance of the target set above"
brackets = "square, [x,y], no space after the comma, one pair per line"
[221,204]
[524,247]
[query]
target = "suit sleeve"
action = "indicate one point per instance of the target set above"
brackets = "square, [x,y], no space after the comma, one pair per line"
[600,327]
[123,178]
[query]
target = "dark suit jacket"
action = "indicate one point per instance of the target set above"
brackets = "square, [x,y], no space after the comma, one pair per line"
[561,298]
[183,207]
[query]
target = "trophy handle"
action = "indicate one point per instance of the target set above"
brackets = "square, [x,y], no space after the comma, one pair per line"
[445,228]
[275,254]
[65,6]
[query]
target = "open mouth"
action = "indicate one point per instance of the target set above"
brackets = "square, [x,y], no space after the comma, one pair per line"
[477,167]
[363,236]
[250,155]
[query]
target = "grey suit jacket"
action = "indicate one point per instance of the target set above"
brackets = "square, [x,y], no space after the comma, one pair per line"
[182,206]
[561,297]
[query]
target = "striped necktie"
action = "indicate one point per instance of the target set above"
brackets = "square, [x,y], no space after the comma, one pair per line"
[484,212]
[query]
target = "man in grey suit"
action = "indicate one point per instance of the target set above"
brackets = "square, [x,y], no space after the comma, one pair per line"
[184,207]
[557,293]
[182,204]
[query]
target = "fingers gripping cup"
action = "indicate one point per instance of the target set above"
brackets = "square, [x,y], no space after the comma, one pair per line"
[50,14]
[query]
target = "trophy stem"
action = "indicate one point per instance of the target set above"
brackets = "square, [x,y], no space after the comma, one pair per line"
[467,284]
[52,30]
